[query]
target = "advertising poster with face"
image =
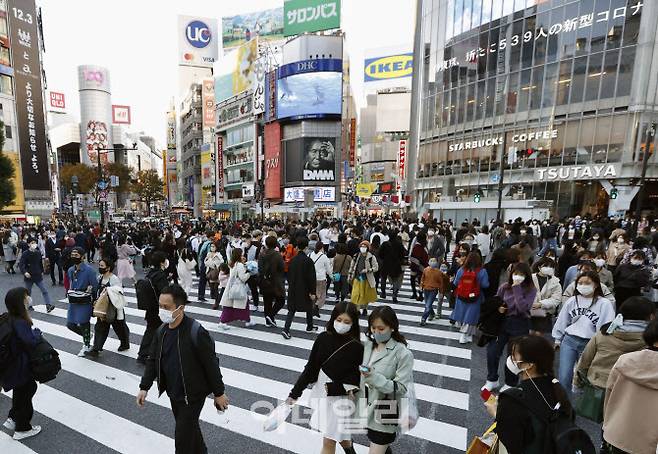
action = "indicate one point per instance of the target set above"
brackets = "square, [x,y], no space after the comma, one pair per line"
[319,159]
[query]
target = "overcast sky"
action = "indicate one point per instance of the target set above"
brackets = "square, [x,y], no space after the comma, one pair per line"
[136,40]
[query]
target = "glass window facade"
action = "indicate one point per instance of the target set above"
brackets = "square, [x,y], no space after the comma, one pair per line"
[511,67]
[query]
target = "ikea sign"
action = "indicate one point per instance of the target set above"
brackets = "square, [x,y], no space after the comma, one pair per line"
[389,67]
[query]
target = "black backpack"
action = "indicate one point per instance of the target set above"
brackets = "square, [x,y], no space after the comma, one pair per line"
[147,297]
[44,361]
[6,353]
[562,435]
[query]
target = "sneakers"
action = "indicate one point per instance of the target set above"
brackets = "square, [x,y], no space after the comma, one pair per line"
[465,338]
[504,388]
[93,353]
[9,424]
[253,308]
[269,321]
[423,322]
[224,326]
[27,434]
[311,329]
[50,308]
[432,315]
[490,385]
[250,324]
[123,348]
[286,335]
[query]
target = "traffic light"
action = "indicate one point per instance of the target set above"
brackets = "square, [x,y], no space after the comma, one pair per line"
[477,196]
[614,192]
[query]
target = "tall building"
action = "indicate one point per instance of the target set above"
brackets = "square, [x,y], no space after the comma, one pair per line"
[555,97]
[190,139]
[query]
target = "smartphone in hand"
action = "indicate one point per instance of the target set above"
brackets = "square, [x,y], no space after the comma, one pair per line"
[364,369]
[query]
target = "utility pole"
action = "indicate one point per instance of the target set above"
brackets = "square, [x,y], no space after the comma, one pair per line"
[651,134]
[99,150]
[501,174]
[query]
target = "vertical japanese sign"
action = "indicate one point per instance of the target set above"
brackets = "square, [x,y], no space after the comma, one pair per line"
[208,102]
[402,157]
[300,16]
[24,38]
[220,168]
[273,160]
[270,96]
[352,141]
[259,86]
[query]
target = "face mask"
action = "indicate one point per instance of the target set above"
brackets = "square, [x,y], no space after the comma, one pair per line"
[595,238]
[33,247]
[523,232]
[513,367]
[621,240]
[76,260]
[28,301]
[547,271]
[599,262]
[213,249]
[636,262]
[342,328]
[382,338]
[585,289]
[102,270]
[430,233]
[518,278]
[363,250]
[166,264]
[167,316]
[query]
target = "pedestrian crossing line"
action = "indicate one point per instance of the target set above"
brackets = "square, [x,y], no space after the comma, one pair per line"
[430,430]
[424,392]
[10,446]
[427,347]
[111,430]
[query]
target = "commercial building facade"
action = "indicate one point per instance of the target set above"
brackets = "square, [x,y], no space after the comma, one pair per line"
[559,93]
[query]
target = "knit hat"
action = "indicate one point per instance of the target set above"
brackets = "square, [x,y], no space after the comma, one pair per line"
[365,243]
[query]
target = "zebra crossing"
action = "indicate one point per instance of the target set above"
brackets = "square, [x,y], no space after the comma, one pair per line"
[91,404]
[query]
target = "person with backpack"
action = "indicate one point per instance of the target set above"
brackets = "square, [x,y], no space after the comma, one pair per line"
[31,266]
[517,296]
[433,282]
[469,282]
[270,266]
[17,339]
[148,292]
[204,248]
[631,399]
[182,359]
[580,318]
[536,417]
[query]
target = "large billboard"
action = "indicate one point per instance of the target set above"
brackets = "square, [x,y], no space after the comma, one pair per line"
[198,41]
[272,160]
[310,89]
[96,137]
[208,102]
[24,38]
[235,72]
[120,115]
[207,176]
[388,67]
[238,29]
[171,130]
[311,159]
[301,16]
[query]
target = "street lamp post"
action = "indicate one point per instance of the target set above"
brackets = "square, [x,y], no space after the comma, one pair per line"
[500,178]
[99,150]
[651,133]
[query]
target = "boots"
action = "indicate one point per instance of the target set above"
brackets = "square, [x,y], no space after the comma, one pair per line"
[349,450]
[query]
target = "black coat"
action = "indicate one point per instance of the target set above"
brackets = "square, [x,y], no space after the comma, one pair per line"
[270,270]
[198,360]
[31,263]
[392,255]
[631,276]
[301,282]
[51,253]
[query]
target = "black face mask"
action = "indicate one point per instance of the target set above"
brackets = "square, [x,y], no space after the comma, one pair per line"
[102,270]
[76,260]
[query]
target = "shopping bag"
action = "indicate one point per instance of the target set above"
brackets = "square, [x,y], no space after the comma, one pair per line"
[589,401]
[277,417]
[101,306]
[409,409]
[486,444]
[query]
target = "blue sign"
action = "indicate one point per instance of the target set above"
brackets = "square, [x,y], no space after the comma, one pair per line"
[495,177]
[102,185]
[198,34]
[334,65]
[8,70]
[390,67]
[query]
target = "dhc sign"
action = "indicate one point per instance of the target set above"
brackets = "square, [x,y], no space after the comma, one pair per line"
[390,67]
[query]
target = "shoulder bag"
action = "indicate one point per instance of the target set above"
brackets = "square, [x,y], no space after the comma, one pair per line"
[333,388]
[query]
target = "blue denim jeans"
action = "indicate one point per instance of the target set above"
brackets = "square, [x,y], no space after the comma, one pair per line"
[550,243]
[513,326]
[430,296]
[570,350]
[44,291]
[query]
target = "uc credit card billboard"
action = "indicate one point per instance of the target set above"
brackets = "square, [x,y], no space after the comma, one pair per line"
[198,41]
[310,89]
[388,67]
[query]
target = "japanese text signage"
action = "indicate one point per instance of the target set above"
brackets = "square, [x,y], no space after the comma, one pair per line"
[235,110]
[567,25]
[219,174]
[270,96]
[320,194]
[352,141]
[29,94]
[402,157]
[300,16]
[208,102]
[259,86]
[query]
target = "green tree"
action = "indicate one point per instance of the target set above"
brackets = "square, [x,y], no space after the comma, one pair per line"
[122,171]
[148,187]
[7,172]
[87,177]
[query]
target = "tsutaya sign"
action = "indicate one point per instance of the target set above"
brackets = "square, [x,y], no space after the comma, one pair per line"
[584,172]
[516,138]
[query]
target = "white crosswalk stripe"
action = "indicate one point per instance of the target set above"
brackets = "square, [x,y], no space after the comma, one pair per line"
[257,364]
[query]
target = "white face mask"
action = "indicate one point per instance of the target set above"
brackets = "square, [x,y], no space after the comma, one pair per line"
[166,264]
[363,250]
[342,328]
[599,262]
[33,247]
[585,289]
[621,240]
[636,262]
[547,270]
[518,278]
[513,367]
[167,316]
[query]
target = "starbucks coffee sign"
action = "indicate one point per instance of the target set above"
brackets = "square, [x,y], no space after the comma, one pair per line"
[516,138]
[584,172]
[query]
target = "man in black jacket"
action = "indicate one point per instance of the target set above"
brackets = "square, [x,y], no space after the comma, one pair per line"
[393,257]
[54,255]
[158,278]
[270,268]
[184,362]
[301,287]
[31,266]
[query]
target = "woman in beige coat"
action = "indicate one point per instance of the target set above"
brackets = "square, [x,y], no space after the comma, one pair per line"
[235,297]
[631,400]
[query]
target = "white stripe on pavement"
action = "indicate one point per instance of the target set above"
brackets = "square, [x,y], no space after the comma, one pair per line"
[10,446]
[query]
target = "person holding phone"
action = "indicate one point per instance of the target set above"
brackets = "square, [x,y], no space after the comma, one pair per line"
[333,367]
[183,361]
[387,373]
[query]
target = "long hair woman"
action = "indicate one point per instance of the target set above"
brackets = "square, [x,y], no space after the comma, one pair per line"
[234,300]
[334,368]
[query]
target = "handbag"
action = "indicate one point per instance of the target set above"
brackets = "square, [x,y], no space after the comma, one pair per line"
[337,276]
[333,388]
[387,410]
[237,290]
[102,305]
[488,443]
[44,361]
[212,274]
[589,402]
[277,417]
[79,297]
[46,265]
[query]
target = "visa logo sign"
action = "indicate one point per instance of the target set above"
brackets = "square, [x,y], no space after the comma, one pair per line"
[390,67]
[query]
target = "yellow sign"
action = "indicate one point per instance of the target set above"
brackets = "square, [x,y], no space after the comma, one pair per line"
[18,206]
[365,189]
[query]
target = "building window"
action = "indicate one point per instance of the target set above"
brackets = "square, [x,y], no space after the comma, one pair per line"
[8,134]
[5,85]
[625,71]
